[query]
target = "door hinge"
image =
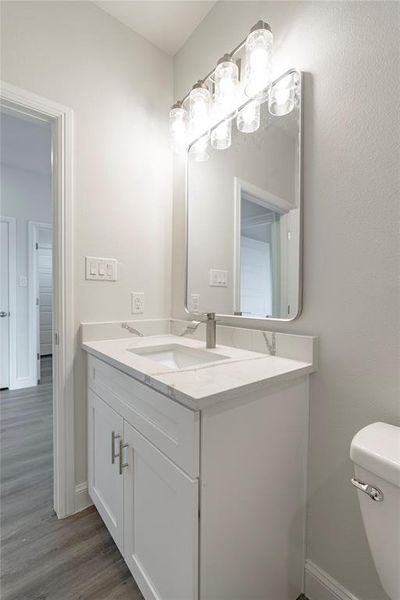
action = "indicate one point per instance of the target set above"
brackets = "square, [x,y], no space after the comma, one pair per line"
[56,339]
[37,356]
[37,246]
[37,301]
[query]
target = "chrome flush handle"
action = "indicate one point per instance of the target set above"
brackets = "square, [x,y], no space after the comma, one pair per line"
[373,492]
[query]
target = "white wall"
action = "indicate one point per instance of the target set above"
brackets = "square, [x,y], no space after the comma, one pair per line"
[349,51]
[120,89]
[25,195]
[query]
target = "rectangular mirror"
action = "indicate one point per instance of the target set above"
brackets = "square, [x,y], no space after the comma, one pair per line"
[244,219]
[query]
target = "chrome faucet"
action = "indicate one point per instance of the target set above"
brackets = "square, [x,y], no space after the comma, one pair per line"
[211,329]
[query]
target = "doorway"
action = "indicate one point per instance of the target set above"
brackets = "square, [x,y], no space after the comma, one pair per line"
[50,333]
[26,198]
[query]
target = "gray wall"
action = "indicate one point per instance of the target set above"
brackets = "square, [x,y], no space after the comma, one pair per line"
[350,53]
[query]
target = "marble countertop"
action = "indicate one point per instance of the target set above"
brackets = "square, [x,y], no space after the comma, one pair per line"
[200,386]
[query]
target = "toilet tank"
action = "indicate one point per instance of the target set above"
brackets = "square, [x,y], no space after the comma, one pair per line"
[375,452]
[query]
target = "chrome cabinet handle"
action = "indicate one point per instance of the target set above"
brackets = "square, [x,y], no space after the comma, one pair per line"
[373,492]
[3,314]
[122,465]
[114,436]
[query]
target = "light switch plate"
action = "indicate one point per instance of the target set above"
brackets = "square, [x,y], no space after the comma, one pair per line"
[194,303]
[137,303]
[218,278]
[100,269]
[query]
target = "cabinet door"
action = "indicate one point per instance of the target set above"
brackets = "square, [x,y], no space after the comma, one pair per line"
[160,522]
[105,481]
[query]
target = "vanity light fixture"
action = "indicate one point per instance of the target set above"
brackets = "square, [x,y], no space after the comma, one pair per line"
[199,112]
[199,108]
[224,92]
[226,79]
[178,119]
[198,150]
[258,61]
[248,119]
[283,95]
[221,135]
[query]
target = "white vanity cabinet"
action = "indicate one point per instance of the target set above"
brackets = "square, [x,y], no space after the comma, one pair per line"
[160,522]
[215,512]
[147,501]
[105,485]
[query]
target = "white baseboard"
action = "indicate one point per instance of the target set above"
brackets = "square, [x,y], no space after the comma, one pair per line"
[23,382]
[321,586]
[82,498]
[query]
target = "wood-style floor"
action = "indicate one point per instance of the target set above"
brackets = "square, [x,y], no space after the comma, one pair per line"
[43,558]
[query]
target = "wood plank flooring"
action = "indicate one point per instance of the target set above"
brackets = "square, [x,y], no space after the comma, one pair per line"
[43,558]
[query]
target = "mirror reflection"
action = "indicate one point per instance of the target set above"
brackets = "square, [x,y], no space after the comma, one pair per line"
[244,218]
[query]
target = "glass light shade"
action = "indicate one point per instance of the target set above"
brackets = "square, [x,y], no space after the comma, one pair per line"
[226,81]
[221,136]
[199,109]
[199,149]
[248,119]
[283,95]
[258,63]
[178,128]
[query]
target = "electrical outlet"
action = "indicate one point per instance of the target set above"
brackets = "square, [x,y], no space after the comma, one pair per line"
[137,303]
[194,303]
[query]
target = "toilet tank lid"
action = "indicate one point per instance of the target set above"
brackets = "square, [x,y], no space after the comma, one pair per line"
[377,449]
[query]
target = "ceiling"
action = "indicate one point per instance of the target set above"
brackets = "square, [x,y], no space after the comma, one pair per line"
[167,24]
[25,142]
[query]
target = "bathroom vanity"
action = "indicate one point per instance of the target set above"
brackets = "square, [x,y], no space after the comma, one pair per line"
[199,471]
[197,458]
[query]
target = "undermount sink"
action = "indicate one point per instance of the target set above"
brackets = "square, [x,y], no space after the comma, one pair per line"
[176,356]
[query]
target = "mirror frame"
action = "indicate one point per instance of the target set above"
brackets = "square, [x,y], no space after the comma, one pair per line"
[237,318]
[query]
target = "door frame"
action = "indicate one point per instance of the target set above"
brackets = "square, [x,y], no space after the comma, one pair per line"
[34,335]
[61,119]
[12,298]
[263,198]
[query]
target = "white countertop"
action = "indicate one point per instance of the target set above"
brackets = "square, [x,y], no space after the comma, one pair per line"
[198,386]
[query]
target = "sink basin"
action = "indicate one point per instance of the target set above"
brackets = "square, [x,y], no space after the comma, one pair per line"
[176,356]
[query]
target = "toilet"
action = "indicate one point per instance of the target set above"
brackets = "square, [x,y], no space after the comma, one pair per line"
[375,452]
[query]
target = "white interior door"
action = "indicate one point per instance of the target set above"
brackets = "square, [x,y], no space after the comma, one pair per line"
[45,289]
[255,277]
[4,306]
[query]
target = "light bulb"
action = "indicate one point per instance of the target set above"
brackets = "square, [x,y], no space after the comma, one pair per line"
[248,119]
[178,127]
[199,149]
[221,135]
[226,81]
[283,95]
[258,61]
[199,107]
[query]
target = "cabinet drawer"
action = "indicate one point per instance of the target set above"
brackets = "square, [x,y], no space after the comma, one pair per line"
[171,427]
